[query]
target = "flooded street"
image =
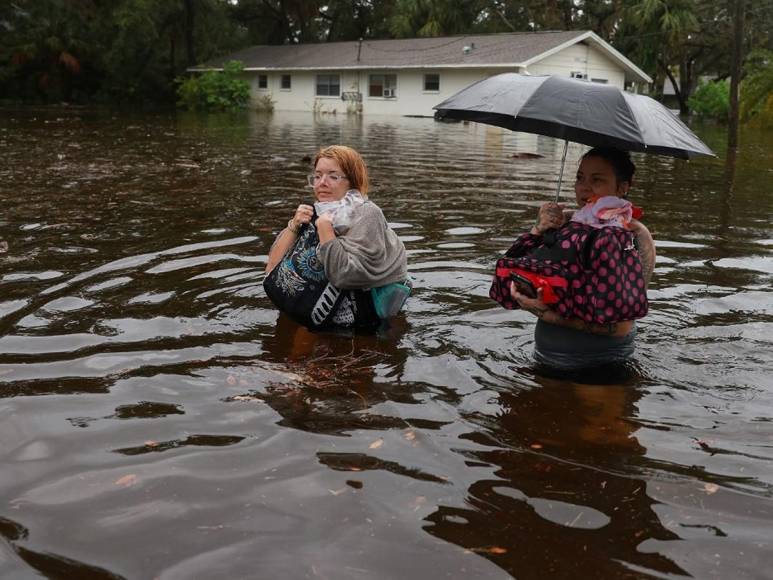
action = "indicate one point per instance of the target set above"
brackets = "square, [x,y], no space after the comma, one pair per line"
[158,419]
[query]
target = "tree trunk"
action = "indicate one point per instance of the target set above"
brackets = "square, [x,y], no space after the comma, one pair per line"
[735,74]
[568,21]
[685,85]
[172,56]
[677,89]
[189,22]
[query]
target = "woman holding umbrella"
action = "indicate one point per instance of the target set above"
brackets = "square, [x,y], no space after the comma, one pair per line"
[583,274]
[600,277]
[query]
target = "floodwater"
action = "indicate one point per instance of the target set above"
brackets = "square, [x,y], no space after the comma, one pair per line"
[160,420]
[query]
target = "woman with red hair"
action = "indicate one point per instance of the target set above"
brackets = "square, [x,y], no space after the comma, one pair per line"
[338,263]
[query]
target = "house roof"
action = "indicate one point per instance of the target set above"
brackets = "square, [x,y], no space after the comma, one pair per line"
[507,50]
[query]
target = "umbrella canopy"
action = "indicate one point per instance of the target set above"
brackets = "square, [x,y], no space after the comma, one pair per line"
[594,114]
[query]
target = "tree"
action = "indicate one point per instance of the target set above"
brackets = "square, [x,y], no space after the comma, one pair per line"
[280,21]
[46,46]
[735,73]
[412,18]
[757,88]
[119,50]
[669,27]
[601,16]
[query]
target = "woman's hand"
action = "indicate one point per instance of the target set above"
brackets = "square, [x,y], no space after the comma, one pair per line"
[550,216]
[288,236]
[534,305]
[326,219]
[539,309]
[302,216]
[325,229]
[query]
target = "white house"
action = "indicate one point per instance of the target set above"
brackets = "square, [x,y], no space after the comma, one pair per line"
[410,76]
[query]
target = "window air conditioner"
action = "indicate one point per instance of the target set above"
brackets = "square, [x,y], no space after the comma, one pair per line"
[389,93]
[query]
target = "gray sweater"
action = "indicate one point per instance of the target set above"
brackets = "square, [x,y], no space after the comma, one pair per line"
[369,255]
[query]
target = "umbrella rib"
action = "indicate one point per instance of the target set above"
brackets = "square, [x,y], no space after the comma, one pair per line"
[633,116]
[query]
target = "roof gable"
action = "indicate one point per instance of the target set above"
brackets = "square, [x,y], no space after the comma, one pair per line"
[632,72]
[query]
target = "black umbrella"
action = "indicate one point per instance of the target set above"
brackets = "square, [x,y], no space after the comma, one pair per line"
[591,113]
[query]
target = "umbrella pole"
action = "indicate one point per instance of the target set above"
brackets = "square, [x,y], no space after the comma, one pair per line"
[561,173]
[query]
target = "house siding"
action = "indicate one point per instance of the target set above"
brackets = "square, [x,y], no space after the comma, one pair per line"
[410,99]
[582,58]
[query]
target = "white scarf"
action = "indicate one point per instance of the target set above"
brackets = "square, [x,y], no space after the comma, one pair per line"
[340,211]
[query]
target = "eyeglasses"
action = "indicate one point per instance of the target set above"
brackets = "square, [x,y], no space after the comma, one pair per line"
[333,178]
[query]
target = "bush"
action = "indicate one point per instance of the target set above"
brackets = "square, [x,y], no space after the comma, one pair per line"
[264,104]
[215,90]
[712,100]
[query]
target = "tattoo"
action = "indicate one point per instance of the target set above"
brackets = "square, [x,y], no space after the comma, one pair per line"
[647,257]
[593,328]
[646,247]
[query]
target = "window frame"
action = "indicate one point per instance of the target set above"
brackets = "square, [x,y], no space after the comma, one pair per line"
[437,81]
[328,78]
[383,84]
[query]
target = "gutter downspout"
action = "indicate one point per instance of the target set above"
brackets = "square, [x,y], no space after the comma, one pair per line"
[359,103]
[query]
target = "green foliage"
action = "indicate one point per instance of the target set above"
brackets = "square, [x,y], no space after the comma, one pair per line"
[712,100]
[45,49]
[757,89]
[215,90]
[122,50]
[689,38]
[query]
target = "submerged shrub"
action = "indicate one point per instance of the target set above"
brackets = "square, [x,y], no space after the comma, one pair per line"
[264,104]
[215,90]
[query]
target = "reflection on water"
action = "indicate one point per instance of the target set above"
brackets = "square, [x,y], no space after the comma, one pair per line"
[568,477]
[159,418]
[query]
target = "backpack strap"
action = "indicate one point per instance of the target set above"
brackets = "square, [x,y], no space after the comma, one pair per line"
[326,305]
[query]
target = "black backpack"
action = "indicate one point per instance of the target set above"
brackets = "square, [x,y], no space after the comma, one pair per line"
[298,286]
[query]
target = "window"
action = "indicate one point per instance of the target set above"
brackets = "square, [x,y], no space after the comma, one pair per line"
[575,74]
[431,83]
[262,81]
[602,81]
[328,85]
[383,86]
[287,82]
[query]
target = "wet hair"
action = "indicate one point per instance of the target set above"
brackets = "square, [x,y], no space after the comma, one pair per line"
[620,161]
[350,162]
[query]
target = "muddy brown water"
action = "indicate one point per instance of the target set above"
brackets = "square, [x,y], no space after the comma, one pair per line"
[158,419]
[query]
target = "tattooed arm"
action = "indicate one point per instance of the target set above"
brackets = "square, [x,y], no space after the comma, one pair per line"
[646,247]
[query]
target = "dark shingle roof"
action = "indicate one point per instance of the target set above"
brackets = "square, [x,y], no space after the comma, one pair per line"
[485,49]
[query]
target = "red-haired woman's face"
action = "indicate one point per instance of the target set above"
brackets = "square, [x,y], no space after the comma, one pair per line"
[330,183]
